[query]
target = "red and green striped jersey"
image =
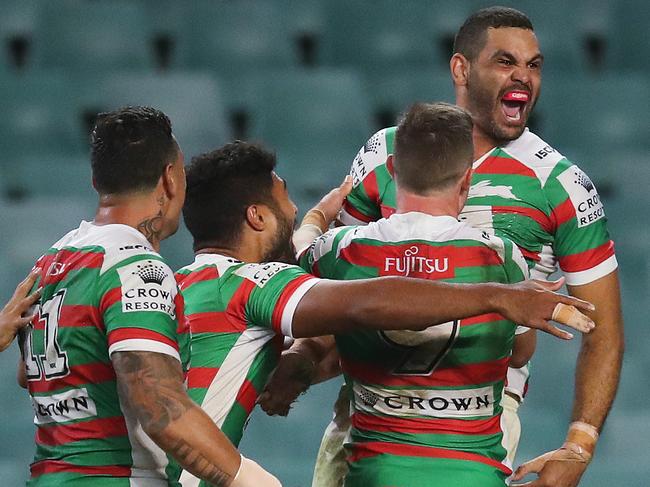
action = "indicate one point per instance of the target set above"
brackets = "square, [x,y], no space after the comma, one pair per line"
[439,388]
[104,291]
[238,314]
[525,191]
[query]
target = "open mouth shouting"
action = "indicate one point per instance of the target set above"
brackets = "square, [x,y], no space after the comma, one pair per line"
[513,104]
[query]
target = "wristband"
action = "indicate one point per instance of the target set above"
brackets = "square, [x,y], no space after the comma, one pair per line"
[304,236]
[316,217]
[584,435]
[250,474]
[576,453]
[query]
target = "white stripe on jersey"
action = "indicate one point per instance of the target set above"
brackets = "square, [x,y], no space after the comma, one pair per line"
[590,275]
[143,345]
[286,323]
[222,392]
[222,262]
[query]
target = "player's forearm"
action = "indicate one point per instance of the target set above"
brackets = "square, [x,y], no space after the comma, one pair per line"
[389,303]
[151,384]
[599,362]
[199,447]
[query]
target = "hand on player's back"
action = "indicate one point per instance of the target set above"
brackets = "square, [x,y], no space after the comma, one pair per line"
[15,315]
[533,304]
[292,377]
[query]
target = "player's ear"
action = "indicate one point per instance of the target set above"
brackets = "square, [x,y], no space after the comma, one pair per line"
[257,217]
[459,66]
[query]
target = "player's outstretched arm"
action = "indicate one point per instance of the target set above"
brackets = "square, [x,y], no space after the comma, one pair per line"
[14,316]
[151,385]
[401,303]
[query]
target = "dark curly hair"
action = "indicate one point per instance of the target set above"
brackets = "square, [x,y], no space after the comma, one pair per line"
[130,148]
[221,185]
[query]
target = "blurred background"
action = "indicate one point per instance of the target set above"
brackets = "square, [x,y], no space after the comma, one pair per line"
[314,79]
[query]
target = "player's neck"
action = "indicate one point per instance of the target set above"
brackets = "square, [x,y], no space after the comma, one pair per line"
[244,250]
[440,204]
[141,212]
[482,143]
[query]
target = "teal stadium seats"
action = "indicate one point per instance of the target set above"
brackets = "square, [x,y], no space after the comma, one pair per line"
[16,29]
[87,36]
[315,120]
[232,37]
[384,35]
[192,101]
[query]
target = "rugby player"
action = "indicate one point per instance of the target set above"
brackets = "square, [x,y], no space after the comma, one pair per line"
[104,358]
[525,190]
[242,295]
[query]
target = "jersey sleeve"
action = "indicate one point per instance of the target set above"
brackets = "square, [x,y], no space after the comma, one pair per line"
[320,258]
[582,243]
[274,290]
[139,304]
[362,204]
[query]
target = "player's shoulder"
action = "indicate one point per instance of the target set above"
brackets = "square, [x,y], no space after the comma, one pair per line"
[373,154]
[260,274]
[205,267]
[538,155]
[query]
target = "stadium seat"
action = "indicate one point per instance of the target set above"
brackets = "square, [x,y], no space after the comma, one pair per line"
[315,120]
[382,35]
[392,93]
[630,46]
[604,114]
[237,36]
[86,36]
[16,30]
[38,115]
[193,102]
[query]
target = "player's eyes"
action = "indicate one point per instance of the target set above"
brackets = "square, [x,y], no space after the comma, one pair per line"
[505,62]
[535,65]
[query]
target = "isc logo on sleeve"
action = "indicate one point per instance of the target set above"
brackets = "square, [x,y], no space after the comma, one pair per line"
[260,274]
[148,285]
[583,195]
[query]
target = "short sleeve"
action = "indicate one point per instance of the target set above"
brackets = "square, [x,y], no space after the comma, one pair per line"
[274,290]
[582,243]
[139,304]
[321,257]
[362,204]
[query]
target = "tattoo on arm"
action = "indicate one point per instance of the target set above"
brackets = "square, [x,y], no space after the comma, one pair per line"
[200,466]
[152,385]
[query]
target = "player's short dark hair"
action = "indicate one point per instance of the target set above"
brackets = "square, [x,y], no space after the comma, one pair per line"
[433,147]
[471,36]
[130,149]
[221,185]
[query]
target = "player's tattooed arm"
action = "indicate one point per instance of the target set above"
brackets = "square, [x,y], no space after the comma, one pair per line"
[151,385]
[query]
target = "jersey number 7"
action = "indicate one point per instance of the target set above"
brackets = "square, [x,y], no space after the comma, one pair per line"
[422,350]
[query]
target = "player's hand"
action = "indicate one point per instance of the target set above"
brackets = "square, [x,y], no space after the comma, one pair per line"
[292,377]
[14,316]
[558,468]
[332,202]
[533,303]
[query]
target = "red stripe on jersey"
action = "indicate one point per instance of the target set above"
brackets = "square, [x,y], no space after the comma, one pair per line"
[536,215]
[388,424]
[372,190]
[588,259]
[374,448]
[247,396]
[563,212]
[58,466]
[80,315]
[504,165]
[281,304]
[351,210]
[57,266]
[486,318]
[236,310]
[122,334]
[85,430]
[186,280]
[393,260]
[463,375]
[201,377]
[183,324]
[214,322]
[386,210]
[109,299]
[530,255]
[79,375]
